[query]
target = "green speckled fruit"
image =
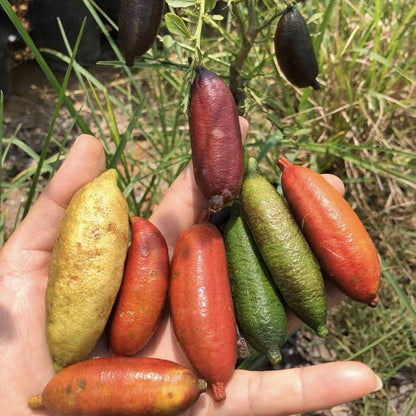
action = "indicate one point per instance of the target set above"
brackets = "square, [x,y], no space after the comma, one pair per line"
[284,250]
[259,309]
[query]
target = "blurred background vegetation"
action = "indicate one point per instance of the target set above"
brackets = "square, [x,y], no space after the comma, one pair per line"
[359,126]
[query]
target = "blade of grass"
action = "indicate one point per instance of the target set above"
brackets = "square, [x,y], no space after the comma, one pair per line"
[145,195]
[373,72]
[183,91]
[373,344]
[410,404]
[9,143]
[399,291]
[396,45]
[126,135]
[49,166]
[23,146]
[324,25]
[61,98]
[338,151]
[87,75]
[60,154]
[161,103]
[115,134]
[78,75]
[404,361]
[384,61]
[112,128]
[105,15]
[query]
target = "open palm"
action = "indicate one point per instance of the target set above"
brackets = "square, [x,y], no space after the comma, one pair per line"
[25,362]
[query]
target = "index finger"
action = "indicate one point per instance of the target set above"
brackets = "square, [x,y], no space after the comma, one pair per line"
[295,390]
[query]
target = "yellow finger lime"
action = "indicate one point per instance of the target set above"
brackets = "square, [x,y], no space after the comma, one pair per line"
[86,269]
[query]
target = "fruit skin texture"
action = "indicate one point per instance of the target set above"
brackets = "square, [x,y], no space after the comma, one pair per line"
[143,290]
[128,386]
[86,269]
[285,251]
[217,150]
[294,51]
[138,24]
[201,305]
[336,235]
[259,309]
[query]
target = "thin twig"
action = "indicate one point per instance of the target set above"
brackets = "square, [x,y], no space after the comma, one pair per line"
[248,38]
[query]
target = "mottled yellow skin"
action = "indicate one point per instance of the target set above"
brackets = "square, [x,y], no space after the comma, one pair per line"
[86,269]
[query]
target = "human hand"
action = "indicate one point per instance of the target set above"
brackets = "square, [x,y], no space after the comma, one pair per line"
[25,362]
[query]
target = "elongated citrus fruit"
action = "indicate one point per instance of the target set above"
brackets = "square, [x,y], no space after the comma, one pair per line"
[259,309]
[86,269]
[143,291]
[337,236]
[201,305]
[294,50]
[284,249]
[217,151]
[139,22]
[128,386]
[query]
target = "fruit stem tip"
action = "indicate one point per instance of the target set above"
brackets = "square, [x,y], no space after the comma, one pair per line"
[274,357]
[203,385]
[110,175]
[283,163]
[35,402]
[373,303]
[322,331]
[315,85]
[251,167]
[218,390]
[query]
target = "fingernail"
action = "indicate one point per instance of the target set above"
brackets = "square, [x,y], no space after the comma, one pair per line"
[81,138]
[78,139]
[379,384]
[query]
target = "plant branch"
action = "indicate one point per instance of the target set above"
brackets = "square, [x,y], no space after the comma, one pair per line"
[248,37]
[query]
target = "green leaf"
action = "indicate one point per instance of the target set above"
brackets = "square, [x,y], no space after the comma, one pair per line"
[273,141]
[181,3]
[209,5]
[302,132]
[176,25]
[168,42]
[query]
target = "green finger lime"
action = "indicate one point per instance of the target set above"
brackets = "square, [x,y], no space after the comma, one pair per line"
[284,250]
